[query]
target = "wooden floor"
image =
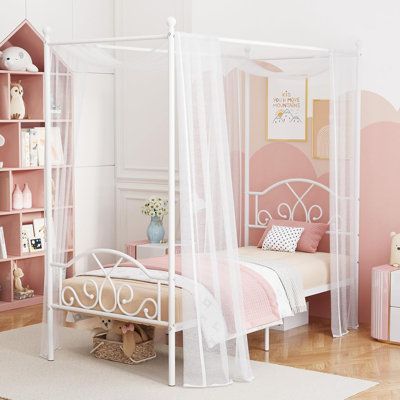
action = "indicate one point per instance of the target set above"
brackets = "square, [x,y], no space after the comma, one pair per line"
[355,355]
[309,347]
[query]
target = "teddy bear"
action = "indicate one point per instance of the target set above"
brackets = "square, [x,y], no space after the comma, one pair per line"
[124,332]
[395,249]
[16,59]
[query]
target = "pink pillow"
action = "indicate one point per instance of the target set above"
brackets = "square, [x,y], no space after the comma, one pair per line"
[310,237]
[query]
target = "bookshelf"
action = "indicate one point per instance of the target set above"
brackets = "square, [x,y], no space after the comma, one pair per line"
[13,172]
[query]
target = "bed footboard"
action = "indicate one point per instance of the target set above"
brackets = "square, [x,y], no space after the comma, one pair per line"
[90,299]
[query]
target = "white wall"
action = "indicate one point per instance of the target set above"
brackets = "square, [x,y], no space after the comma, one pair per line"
[335,24]
[95,159]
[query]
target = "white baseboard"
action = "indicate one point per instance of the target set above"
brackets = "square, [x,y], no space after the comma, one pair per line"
[295,321]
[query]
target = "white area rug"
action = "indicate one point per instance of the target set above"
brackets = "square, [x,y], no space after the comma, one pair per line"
[75,375]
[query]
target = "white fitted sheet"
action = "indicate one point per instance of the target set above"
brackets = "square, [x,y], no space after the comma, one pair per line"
[314,268]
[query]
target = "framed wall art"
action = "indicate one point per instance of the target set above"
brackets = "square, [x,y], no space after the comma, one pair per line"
[287,109]
[320,129]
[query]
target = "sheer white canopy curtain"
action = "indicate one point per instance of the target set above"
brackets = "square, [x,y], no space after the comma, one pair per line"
[335,76]
[344,182]
[208,227]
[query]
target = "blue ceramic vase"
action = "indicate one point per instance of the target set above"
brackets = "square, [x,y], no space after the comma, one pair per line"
[155,230]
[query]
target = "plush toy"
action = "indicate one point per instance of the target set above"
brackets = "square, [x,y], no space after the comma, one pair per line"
[17,105]
[18,274]
[16,59]
[395,249]
[120,331]
[18,287]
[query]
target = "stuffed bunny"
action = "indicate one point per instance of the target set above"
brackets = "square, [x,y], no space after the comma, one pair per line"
[16,59]
[121,331]
[18,274]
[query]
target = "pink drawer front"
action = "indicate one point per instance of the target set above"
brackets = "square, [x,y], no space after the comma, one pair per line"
[177,249]
[380,302]
[131,247]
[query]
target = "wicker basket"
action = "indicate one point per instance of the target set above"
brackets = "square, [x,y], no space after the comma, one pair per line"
[112,351]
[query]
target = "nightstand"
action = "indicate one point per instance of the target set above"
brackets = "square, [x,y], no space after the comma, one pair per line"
[143,249]
[131,247]
[385,303]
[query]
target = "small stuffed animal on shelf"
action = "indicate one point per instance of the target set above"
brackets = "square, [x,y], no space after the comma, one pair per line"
[395,249]
[19,291]
[16,59]
[17,105]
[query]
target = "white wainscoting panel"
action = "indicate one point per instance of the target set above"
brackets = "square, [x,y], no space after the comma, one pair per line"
[142,96]
[94,208]
[94,119]
[142,113]
[131,223]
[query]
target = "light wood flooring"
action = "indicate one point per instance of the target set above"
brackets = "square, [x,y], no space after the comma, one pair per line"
[309,347]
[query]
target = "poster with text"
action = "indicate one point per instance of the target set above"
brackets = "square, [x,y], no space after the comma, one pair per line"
[287,109]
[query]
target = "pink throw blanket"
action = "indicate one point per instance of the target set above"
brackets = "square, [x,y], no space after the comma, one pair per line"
[260,304]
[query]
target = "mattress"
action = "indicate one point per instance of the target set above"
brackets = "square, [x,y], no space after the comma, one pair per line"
[314,268]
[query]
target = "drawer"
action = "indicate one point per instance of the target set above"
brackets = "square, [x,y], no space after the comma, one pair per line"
[395,288]
[394,324]
[143,252]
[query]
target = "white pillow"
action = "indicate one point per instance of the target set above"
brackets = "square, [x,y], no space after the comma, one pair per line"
[282,238]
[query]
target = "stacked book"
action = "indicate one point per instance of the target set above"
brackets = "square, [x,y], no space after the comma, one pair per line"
[33,147]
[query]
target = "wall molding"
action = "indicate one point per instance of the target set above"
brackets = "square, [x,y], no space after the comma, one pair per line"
[129,200]
[143,174]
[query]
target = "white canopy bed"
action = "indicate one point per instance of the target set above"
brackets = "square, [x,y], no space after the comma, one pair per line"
[202,292]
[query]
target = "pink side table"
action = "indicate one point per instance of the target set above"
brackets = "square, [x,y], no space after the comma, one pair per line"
[385,307]
[131,247]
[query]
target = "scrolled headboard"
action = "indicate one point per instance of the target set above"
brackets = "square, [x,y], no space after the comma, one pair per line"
[287,209]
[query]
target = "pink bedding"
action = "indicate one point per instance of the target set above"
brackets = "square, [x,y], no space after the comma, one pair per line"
[260,303]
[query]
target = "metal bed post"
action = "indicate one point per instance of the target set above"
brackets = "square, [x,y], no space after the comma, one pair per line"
[171,202]
[48,197]
[246,158]
[357,166]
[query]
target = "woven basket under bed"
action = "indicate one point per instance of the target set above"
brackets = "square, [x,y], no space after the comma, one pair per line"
[112,351]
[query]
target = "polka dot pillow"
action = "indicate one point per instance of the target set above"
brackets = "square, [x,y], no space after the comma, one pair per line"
[282,238]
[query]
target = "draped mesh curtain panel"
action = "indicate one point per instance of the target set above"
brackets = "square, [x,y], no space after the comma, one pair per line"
[210,116]
[208,228]
[344,181]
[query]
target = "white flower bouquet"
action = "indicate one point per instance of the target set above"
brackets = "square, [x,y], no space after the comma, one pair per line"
[155,207]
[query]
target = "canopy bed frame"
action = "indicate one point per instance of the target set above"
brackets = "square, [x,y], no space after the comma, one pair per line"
[59,301]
